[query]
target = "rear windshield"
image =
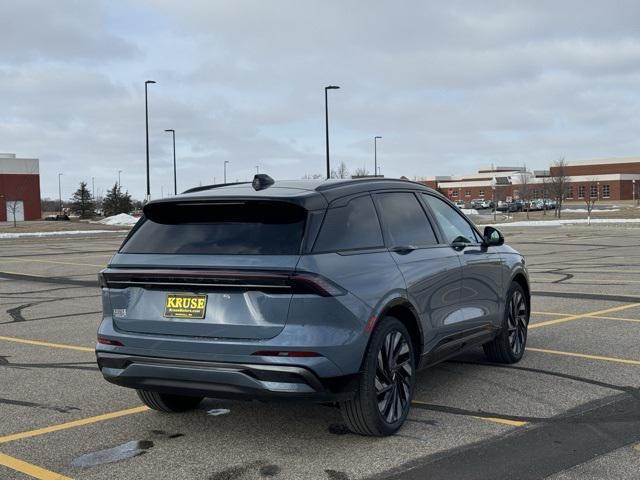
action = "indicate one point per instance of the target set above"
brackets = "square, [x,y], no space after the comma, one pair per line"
[229,228]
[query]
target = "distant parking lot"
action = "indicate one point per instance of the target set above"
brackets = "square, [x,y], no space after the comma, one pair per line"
[569,410]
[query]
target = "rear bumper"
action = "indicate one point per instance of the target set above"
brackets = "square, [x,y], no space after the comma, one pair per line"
[222,379]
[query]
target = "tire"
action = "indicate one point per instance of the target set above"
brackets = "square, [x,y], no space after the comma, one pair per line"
[383,399]
[509,345]
[164,402]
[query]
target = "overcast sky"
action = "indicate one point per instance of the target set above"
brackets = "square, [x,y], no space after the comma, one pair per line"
[449,85]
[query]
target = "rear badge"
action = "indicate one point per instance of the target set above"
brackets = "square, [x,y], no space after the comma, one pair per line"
[180,305]
[120,312]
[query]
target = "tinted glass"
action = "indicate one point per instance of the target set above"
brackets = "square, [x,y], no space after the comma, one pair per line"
[240,228]
[405,220]
[453,225]
[353,226]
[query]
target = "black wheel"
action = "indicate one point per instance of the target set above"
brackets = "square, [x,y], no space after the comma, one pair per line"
[164,402]
[382,402]
[509,345]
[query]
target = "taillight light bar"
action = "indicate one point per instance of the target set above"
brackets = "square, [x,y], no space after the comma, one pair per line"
[107,341]
[299,282]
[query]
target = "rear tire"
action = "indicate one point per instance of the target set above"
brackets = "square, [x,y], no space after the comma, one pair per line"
[383,399]
[509,345]
[164,402]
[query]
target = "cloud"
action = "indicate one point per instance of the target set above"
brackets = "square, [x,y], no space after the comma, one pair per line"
[450,86]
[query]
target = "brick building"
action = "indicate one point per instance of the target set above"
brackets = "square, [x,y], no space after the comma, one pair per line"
[19,188]
[608,179]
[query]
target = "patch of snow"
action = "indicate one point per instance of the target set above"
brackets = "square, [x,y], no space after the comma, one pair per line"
[469,211]
[559,223]
[120,219]
[51,234]
[595,210]
[218,411]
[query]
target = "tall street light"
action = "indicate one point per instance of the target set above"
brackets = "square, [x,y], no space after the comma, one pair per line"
[375,154]
[326,124]
[146,118]
[225,170]
[257,168]
[60,192]
[175,180]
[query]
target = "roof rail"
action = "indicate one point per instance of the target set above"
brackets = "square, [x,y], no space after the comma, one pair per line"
[329,186]
[210,187]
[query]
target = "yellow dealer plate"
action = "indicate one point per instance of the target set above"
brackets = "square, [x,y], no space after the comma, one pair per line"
[181,305]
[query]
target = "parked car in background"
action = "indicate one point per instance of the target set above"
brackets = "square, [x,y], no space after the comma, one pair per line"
[330,291]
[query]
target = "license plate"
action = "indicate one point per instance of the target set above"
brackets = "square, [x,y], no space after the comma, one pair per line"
[180,305]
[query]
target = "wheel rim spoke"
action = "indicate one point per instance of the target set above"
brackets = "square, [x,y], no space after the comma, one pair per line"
[394,370]
[517,321]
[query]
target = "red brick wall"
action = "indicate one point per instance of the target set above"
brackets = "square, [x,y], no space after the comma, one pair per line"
[618,190]
[20,187]
[602,169]
[502,192]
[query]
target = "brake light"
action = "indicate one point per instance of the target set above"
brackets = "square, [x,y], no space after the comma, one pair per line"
[317,284]
[106,341]
[290,354]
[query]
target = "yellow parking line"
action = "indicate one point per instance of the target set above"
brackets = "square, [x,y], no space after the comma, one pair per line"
[618,318]
[73,424]
[47,344]
[20,260]
[584,355]
[503,421]
[570,318]
[590,316]
[30,469]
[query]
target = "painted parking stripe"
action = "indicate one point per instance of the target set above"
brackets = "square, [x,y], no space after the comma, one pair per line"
[502,421]
[73,424]
[584,355]
[571,318]
[622,319]
[47,344]
[29,469]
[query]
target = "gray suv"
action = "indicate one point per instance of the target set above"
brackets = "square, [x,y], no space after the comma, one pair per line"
[333,291]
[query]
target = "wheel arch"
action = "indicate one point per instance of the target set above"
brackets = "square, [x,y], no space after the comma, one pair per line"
[403,310]
[521,279]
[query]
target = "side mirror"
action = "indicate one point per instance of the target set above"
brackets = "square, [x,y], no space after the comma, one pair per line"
[492,237]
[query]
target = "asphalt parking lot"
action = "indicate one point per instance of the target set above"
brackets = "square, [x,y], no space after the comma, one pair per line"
[569,410]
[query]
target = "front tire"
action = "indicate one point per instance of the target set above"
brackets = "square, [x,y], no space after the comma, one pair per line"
[164,402]
[383,399]
[509,345]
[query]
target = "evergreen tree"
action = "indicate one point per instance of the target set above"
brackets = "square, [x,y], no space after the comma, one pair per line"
[82,202]
[115,202]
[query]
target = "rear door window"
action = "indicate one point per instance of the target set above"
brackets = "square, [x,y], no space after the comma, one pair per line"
[224,228]
[454,227]
[404,220]
[349,227]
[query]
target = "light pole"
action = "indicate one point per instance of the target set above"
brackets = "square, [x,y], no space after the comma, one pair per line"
[60,192]
[494,182]
[257,168]
[225,170]
[175,178]
[375,154]
[146,118]
[119,183]
[326,125]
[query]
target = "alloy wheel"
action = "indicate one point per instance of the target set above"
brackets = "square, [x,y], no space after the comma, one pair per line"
[393,377]
[517,322]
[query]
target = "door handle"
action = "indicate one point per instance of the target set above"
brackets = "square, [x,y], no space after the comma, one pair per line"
[403,249]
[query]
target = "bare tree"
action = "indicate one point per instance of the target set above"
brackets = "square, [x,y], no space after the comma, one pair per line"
[524,188]
[361,172]
[312,176]
[341,172]
[15,199]
[591,196]
[546,188]
[558,183]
